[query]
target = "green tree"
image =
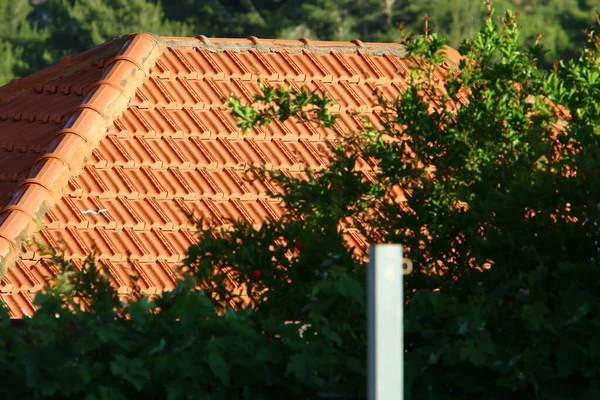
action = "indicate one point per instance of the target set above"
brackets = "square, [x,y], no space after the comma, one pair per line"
[21,42]
[343,20]
[227,18]
[559,22]
[75,26]
[500,215]
[34,34]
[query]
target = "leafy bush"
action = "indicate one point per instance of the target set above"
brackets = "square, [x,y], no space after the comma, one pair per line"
[494,193]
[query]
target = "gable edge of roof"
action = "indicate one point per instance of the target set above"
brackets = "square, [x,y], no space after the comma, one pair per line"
[65,158]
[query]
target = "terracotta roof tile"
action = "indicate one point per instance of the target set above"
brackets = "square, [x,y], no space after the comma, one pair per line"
[109,151]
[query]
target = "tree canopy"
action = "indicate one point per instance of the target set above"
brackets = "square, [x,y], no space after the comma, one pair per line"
[36,33]
[499,212]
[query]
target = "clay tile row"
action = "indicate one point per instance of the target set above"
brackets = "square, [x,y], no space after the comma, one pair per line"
[332,66]
[182,93]
[14,166]
[217,123]
[197,94]
[27,136]
[168,183]
[78,84]
[177,123]
[147,214]
[119,246]
[152,278]
[193,153]
[40,107]
[19,305]
[27,275]
[118,213]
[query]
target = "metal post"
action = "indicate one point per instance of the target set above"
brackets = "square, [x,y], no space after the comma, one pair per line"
[386,331]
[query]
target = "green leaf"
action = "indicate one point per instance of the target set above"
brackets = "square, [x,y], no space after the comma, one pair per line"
[218,366]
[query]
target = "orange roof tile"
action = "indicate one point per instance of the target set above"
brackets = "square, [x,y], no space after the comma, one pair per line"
[108,150]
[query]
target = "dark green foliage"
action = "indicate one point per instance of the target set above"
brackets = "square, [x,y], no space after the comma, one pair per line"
[503,193]
[174,347]
[559,21]
[515,187]
[21,41]
[75,26]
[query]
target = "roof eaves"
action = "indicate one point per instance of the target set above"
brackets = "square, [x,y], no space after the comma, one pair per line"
[66,155]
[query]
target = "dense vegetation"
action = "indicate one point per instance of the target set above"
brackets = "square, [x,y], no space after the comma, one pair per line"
[502,198]
[36,33]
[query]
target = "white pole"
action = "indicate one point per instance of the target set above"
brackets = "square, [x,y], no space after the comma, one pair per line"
[386,332]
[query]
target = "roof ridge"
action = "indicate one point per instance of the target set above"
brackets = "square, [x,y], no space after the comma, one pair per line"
[106,101]
[316,47]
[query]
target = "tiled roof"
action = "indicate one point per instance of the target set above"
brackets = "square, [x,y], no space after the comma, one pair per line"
[109,150]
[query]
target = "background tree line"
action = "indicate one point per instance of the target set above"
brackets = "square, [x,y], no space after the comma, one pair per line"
[37,33]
